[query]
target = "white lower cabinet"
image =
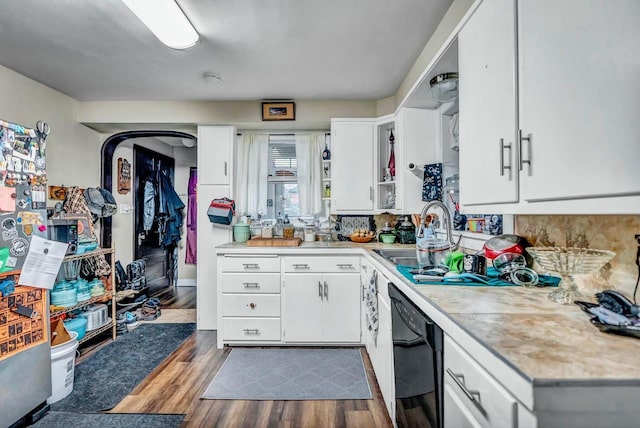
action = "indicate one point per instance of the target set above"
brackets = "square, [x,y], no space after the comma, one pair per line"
[321,299]
[473,398]
[321,308]
[381,350]
[249,300]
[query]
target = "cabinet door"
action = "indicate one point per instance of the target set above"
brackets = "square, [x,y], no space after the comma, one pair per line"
[341,308]
[579,92]
[383,364]
[456,414]
[488,116]
[214,154]
[303,304]
[352,163]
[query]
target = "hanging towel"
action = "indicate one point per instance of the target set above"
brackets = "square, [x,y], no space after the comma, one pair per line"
[372,306]
[432,184]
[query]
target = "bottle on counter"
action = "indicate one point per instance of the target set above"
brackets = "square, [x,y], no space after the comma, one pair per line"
[278,228]
[288,229]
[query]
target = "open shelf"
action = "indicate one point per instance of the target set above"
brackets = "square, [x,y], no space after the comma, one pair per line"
[98,299]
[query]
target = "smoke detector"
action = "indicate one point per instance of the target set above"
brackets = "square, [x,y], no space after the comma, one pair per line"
[211,77]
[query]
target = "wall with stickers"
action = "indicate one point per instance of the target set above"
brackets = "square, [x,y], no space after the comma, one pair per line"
[73,150]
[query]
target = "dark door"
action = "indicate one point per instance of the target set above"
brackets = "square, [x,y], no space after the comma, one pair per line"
[148,165]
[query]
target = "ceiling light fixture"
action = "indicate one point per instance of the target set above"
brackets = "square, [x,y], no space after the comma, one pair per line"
[166,21]
[444,87]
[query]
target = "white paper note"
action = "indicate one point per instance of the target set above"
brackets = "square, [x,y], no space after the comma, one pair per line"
[43,262]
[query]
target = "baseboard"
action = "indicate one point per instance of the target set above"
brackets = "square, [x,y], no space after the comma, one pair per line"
[186,282]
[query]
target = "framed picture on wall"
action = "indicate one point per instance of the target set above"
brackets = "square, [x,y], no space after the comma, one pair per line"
[278,111]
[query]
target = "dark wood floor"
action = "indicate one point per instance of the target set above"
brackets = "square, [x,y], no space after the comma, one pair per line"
[177,297]
[176,385]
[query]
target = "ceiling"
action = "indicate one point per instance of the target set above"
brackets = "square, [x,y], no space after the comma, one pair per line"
[276,49]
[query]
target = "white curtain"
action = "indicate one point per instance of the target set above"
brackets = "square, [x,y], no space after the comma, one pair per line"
[253,159]
[309,158]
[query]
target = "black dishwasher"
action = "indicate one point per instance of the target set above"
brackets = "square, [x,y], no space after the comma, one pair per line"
[417,361]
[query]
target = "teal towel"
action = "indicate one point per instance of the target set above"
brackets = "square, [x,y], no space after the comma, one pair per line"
[492,273]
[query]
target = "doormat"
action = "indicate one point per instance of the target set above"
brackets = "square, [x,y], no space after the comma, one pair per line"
[105,378]
[108,420]
[291,374]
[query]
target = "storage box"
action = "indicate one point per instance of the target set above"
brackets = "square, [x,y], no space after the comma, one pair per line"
[221,211]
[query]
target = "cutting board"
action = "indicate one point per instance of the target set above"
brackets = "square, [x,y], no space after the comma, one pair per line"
[274,242]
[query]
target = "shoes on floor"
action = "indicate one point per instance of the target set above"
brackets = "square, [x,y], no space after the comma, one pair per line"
[150,310]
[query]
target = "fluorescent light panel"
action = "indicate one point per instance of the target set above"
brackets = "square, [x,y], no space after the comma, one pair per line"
[166,21]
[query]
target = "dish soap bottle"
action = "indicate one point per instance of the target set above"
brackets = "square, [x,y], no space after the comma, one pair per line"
[326,153]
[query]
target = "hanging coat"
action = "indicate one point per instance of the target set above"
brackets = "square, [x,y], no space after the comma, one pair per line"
[170,213]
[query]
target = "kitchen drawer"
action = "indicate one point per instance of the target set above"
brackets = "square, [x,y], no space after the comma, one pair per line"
[322,264]
[250,264]
[490,403]
[245,329]
[248,283]
[250,305]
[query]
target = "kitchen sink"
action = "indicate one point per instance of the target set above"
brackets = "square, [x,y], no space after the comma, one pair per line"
[399,256]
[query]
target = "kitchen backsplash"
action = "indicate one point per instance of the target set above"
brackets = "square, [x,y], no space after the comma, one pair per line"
[602,232]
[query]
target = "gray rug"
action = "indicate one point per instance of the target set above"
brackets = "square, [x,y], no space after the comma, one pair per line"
[108,420]
[105,378]
[291,374]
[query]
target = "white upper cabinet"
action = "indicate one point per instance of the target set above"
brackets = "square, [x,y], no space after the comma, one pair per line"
[564,75]
[352,165]
[579,64]
[488,117]
[215,145]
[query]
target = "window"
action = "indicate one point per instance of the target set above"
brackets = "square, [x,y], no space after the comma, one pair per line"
[282,192]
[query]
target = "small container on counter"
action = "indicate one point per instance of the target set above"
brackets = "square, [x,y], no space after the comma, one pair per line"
[298,232]
[309,234]
[267,231]
[288,231]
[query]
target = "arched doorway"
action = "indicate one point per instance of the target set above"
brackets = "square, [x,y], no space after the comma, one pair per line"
[124,233]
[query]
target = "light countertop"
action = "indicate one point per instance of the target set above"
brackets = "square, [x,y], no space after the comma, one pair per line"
[545,342]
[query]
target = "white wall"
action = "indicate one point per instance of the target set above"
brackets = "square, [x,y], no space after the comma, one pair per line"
[123,224]
[73,150]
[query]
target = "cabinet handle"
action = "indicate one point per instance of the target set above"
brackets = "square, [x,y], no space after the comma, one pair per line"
[344,265]
[252,305]
[251,284]
[320,290]
[522,159]
[371,193]
[300,266]
[472,395]
[502,147]
[251,331]
[225,168]
[326,291]
[251,265]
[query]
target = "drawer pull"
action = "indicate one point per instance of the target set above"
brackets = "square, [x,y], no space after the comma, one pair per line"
[251,265]
[252,305]
[472,395]
[326,291]
[251,285]
[320,290]
[345,265]
[300,266]
[251,331]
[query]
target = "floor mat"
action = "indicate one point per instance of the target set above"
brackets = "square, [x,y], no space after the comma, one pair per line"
[291,374]
[108,420]
[104,379]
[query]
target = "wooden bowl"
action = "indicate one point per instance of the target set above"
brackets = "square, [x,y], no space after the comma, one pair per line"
[362,239]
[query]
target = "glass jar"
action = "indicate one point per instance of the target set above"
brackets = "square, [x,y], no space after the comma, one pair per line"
[452,193]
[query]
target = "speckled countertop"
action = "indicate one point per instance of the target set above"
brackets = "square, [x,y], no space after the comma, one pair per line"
[547,343]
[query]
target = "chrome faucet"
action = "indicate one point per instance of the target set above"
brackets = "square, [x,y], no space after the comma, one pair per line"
[447,222]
